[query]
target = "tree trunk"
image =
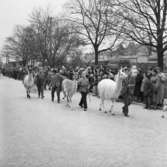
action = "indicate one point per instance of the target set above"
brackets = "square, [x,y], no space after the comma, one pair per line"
[160,57]
[96,55]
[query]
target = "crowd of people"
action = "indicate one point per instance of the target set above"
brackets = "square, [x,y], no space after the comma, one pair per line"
[150,88]
[149,85]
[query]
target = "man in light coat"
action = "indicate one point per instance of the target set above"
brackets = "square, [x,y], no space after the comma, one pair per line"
[127,93]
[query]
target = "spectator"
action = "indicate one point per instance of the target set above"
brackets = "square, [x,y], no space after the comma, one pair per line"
[127,92]
[148,91]
[156,85]
[137,91]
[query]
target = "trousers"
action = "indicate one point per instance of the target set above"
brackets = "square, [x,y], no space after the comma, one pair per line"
[40,88]
[83,101]
[58,90]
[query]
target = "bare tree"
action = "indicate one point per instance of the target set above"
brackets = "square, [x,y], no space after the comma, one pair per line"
[54,37]
[146,24]
[95,22]
[21,45]
[46,39]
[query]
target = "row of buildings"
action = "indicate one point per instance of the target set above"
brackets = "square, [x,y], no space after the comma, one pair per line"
[132,54]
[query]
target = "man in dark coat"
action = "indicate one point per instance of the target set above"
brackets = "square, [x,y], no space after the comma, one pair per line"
[127,93]
[40,82]
[137,91]
[56,85]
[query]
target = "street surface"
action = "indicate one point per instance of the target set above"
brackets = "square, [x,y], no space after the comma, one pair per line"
[40,133]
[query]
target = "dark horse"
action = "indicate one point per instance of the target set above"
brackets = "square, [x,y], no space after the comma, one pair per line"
[56,85]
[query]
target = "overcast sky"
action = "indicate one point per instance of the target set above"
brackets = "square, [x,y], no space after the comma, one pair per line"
[16,12]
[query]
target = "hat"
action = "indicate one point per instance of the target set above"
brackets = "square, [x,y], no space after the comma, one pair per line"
[125,68]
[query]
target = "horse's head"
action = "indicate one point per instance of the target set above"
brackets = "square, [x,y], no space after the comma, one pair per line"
[134,71]
[122,74]
[30,77]
[75,76]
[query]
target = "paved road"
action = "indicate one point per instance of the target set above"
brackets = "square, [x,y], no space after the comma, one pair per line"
[39,133]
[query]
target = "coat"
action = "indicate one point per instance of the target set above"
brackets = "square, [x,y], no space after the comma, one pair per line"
[128,86]
[40,79]
[161,91]
[139,78]
[156,87]
[56,81]
[83,85]
[147,88]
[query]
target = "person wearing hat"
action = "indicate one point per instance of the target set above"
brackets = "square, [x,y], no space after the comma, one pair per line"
[83,85]
[127,92]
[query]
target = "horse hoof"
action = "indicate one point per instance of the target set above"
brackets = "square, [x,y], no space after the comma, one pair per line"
[162,116]
[113,114]
[99,109]
[105,112]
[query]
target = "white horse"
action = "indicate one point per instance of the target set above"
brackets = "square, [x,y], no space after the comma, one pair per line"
[110,90]
[69,88]
[28,83]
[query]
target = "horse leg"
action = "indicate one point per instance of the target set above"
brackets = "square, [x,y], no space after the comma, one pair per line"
[72,106]
[67,100]
[105,111]
[100,107]
[112,106]
[28,93]
[70,102]
[53,93]
[64,94]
